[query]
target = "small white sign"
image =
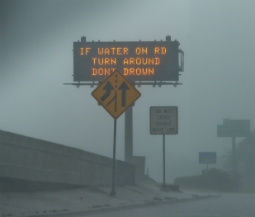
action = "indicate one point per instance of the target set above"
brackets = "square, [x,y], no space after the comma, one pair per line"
[163,120]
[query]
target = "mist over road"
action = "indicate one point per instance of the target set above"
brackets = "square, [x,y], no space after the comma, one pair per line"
[228,205]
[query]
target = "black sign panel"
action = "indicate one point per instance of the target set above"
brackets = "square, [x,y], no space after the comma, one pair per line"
[138,61]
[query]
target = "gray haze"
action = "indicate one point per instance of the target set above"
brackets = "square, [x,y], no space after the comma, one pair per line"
[217,37]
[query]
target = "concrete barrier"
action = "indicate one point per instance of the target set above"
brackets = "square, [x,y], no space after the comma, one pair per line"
[31,159]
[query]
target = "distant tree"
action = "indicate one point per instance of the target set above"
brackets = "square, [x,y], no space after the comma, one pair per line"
[245,160]
[227,160]
[213,179]
[245,155]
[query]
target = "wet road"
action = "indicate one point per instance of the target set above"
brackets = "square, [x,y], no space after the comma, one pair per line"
[228,205]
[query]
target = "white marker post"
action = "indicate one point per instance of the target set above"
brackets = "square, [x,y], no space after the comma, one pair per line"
[163,120]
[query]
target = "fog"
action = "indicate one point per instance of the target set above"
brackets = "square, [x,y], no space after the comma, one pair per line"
[36,58]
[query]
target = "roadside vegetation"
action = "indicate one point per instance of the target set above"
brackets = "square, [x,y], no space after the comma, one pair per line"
[212,179]
[238,177]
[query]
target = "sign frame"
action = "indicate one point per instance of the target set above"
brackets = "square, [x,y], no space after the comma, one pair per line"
[116,94]
[163,120]
[234,128]
[90,57]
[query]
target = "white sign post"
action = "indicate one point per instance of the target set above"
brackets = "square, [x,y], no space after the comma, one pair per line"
[163,120]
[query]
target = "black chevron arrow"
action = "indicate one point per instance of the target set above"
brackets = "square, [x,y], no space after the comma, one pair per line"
[108,88]
[123,87]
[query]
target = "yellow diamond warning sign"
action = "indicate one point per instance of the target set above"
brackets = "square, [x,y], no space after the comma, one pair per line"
[116,94]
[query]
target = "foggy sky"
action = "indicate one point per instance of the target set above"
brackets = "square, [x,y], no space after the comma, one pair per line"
[217,37]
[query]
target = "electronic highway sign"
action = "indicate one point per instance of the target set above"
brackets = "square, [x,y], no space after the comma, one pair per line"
[136,60]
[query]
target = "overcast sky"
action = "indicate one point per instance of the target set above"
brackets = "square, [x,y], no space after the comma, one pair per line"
[217,37]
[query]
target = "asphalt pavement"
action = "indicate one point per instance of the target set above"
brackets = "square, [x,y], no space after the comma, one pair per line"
[90,200]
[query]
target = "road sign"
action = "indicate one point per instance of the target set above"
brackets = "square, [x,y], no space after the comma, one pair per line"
[116,94]
[235,131]
[137,60]
[163,120]
[240,123]
[234,128]
[207,157]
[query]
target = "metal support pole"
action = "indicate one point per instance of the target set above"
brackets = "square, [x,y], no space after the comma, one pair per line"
[234,156]
[113,192]
[164,163]
[129,134]
[206,177]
